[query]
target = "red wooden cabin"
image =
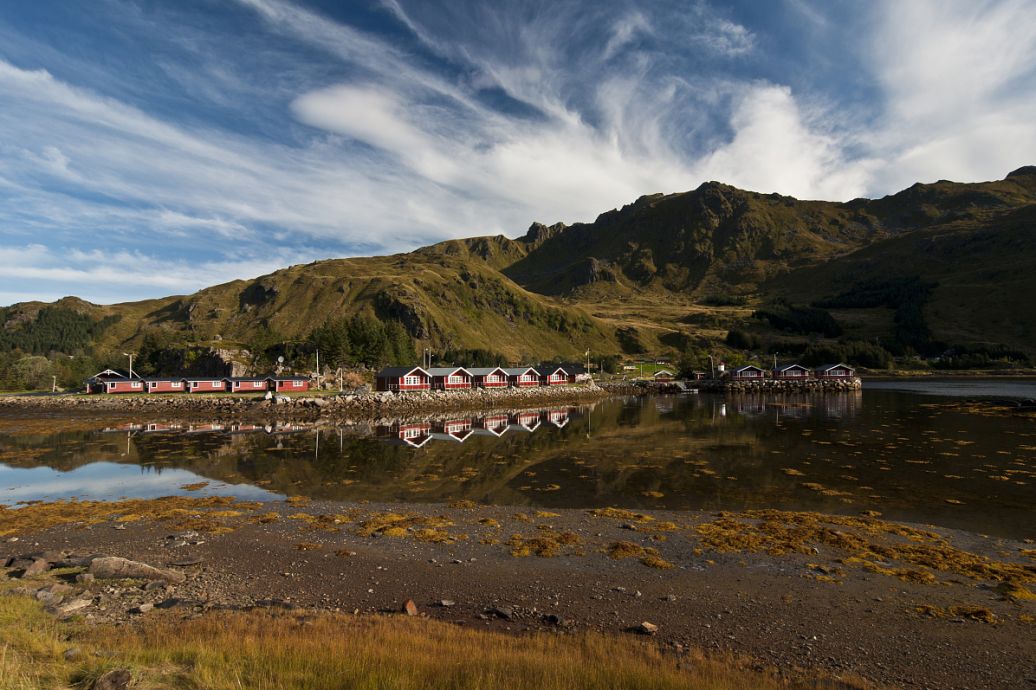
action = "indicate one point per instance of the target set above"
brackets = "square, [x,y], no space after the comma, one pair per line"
[123,386]
[522,377]
[237,384]
[450,378]
[791,372]
[488,377]
[164,385]
[402,379]
[555,376]
[203,385]
[749,373]
[288,384]
[835,371]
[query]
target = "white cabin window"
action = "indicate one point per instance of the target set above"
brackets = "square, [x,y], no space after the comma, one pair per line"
[411,380]
[135,384]
[297,384]
[176,384]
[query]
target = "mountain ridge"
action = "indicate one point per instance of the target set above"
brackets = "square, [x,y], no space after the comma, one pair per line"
[558,289]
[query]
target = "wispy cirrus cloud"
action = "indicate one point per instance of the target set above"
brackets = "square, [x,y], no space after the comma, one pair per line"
[337,132]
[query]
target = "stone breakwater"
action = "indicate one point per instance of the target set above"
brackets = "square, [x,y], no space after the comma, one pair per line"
[358,405]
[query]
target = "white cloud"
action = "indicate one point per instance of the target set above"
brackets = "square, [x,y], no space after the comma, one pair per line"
[774,149]
[959,81]
[101,271]
[381,148]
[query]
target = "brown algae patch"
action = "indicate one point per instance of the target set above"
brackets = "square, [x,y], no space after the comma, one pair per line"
[621,514]
[547,544]
[426,528]
[648,556]
[866,540]
[201,514]
[966,611]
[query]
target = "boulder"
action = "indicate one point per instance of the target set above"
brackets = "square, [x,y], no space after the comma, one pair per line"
[115,568]
[118,679]
[646,628]
[37,567]
[410,608]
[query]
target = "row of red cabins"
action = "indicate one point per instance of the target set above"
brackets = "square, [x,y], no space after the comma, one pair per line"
[403,379]
[795,372]
[110,381]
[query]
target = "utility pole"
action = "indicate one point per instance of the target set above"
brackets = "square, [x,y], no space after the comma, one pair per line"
[54,384]
[318,364]
[130,355]
[712,366]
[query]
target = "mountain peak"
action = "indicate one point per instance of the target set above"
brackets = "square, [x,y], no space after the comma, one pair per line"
[539,233]
[1024,171]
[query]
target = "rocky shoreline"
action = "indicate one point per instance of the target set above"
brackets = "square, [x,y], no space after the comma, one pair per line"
[807,605]
[366,405]
[359,405]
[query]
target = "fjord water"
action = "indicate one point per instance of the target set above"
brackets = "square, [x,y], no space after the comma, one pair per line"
[906,452]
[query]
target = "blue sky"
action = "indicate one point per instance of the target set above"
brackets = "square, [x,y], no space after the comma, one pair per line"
[153,147]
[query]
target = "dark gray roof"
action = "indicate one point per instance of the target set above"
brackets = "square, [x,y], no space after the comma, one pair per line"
[826,367]
[167,378]
[785,367]
[446,371]
[286,378]
[485,371]
[516,371]
[748,366]
[247,378]
[396,372]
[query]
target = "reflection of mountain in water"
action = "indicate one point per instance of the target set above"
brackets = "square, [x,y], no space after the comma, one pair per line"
[674,452]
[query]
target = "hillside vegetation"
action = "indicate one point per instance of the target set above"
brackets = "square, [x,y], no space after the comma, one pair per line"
[938,269]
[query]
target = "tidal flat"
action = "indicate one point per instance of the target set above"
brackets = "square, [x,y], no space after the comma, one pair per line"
[871,539]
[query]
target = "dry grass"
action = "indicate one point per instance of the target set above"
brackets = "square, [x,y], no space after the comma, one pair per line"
[337,652]
[202,514]
[866,540]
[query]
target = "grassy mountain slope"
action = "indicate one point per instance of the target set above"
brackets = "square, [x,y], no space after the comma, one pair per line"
[440,297]
[983,272]
[718,239]
[656,265]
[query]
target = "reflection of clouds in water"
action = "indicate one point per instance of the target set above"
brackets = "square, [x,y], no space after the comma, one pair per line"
[110,481]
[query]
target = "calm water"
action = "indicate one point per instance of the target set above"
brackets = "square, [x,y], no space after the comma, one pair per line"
[896,451]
